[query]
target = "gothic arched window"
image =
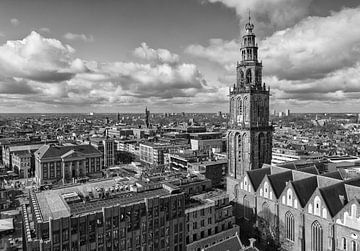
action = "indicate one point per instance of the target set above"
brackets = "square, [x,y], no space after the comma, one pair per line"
[248,76]
[289,197]
[353,246]
[266,212]
[290,226]
[247,209]
[239,111]
[317,205]
[241,76]
[316,237]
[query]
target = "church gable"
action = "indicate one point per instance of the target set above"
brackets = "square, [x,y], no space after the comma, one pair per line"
[265,189]
[289,197]
[349,215]
[246,185]
[317,206]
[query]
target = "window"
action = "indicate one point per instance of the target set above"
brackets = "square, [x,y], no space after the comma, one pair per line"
[316,237]
[289,197]
[353,210]
[247,209]
[290,226]
[317,206]
[343,243]
[248,76]
[353,246]
[266,189]
[266,212]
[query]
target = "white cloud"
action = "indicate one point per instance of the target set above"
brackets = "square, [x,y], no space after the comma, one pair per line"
[157,56]
[37,58]
[269,15]
[82,37]
[45,71]
[14,21]
[314,47]
[318,58]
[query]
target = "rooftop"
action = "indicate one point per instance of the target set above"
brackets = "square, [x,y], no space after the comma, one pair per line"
[52,203]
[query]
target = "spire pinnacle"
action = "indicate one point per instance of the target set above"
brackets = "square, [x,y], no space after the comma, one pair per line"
[249,26]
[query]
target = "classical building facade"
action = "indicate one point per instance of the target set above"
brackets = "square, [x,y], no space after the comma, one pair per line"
[64,163]
[250,136]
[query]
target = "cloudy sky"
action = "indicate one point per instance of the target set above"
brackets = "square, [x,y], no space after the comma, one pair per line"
[175,55]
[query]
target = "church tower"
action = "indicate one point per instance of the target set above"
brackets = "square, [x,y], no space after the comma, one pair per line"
[249,138]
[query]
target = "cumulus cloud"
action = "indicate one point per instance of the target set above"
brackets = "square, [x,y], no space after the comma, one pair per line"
[158,56]
[314,47]
[14,21]
[269,15]
[318,58]
[82,37]
[44,70]
[37,58]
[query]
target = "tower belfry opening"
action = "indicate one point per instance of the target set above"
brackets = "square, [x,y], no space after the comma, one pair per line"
[250,135]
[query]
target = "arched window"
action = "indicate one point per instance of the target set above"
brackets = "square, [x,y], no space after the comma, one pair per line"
[353,210]
[317,206]
[246,183]
[290,226]
[247,209]
[262,147]
[241,76]
[239,111]
[310,209]
[266,212]
[353,246]
[289,197]
[343,243]
[245,111]
[266,189]
[316,237]
[236,192]
[248,76]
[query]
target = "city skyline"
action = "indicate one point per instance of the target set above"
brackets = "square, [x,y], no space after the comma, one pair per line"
[174,56]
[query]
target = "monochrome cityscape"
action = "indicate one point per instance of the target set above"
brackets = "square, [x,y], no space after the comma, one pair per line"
[247,143]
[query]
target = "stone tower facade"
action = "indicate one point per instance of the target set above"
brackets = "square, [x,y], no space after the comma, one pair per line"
[250,135]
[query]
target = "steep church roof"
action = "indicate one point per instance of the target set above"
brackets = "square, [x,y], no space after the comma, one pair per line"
[278,181]
[304,188]
[257,175]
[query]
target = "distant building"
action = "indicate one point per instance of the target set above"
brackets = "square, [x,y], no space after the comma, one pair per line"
[153,153]
[215,171]
[65,163]
[21,163]
[207,141]
[209,220]
[282,155]
[119,132]
[107,147]
[103,216]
